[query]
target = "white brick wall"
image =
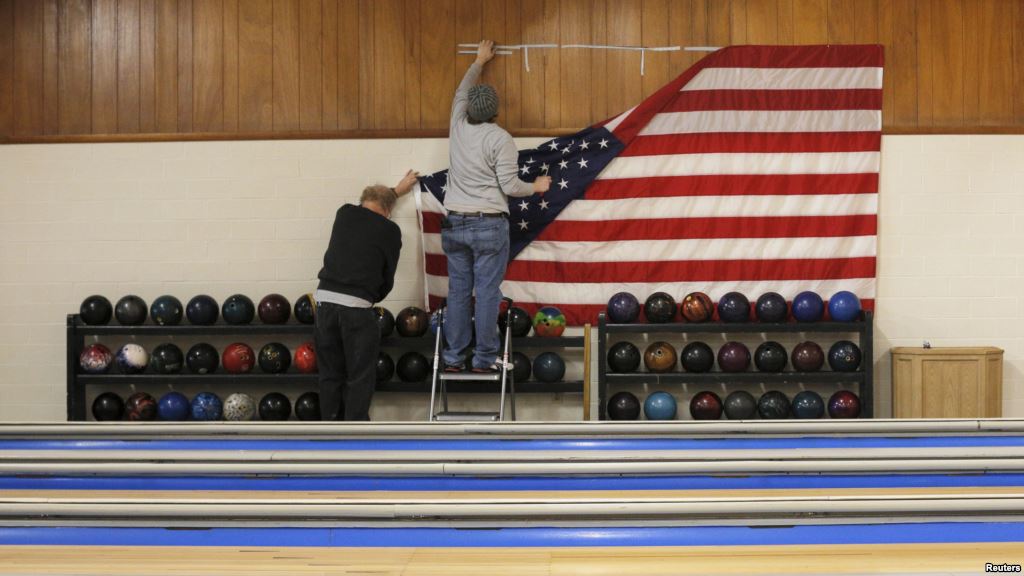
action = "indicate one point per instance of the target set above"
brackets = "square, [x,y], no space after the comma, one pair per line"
[253,217]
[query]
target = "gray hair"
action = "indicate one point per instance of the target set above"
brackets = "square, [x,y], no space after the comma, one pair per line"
[381,194]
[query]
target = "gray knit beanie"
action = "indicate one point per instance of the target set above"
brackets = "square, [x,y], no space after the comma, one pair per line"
[483,102]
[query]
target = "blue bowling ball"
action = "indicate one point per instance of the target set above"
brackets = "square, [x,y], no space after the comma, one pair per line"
[808,404]
[548,367]
[844,306]
[623,308]
[166,311]
[206,407]
[771,307]
[202,310]
[174,407]
[660,406]
[808,307]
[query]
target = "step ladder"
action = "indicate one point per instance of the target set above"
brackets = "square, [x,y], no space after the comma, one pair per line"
[440,379]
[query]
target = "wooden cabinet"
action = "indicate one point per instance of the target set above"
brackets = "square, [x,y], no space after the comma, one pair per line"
[947,382]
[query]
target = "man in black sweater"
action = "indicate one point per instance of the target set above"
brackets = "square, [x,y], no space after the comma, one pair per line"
[359,270]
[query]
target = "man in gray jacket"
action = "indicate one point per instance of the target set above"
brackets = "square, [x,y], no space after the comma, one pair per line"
[483,174]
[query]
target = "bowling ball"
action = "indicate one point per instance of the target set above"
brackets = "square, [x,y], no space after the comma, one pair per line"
[238,358]
[95,359]
[166,311]
[274,358]
[734,357]
[740,405]
[173,407]
[844,306]
[95,310]
[412,322]
[660,308]
[773,405]
[131,310]
[521,322]
[623,357]
[706,405]
[307,407]
[623,406]
[697,307]
[207,407]
[844,404]
[305,358]
[305,309]
[548,322]
[385,367]
[808,404]
[385,321]
[140,407]
[167,359]
[844,356]
[274,309]
[202,359]
[412,367]
[108,407]
[807,357]
[734,307]
[808,307]
[660,357]
[623,308]
[132,359]
[660,406]
[275,407]
[239,407]
[238,309]
[202,310]
[770,357]
[522,367]
[771,307]
[697,357]
[548,367]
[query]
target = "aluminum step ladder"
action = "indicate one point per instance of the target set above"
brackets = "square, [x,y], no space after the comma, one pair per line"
[440,378]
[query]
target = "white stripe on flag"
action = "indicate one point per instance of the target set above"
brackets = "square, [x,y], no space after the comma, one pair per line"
[785,79]
[721,207]
[611,126]
[763,121]
[741,163]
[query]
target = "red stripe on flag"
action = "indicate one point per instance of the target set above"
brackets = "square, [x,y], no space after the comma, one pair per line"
[733,185]
[701,228]
[844,99]
[771,142]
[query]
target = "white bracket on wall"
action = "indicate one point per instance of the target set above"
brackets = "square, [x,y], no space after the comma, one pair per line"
[507,50]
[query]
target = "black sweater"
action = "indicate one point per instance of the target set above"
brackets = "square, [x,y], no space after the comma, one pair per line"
[362,255]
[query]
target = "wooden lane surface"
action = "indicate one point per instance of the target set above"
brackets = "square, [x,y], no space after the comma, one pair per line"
[791,559]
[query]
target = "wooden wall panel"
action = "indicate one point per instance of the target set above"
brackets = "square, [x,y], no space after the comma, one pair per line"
[285,68]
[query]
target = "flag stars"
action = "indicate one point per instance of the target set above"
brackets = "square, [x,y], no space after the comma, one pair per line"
[582,163]
[584,145]
[524,169]
[603,143]
[530,161]
[553,145]
[444,188]
[563,184]
[524,205]
[544,168]
[563,164]
[523,225]
[567,149]
[543,204]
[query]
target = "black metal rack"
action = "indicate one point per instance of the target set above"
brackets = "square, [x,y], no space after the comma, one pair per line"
[863,377]
[77,410]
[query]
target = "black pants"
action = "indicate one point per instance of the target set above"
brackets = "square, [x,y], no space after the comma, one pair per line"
[347,346]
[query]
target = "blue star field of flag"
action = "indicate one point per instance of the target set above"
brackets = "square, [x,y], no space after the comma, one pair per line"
[572,162]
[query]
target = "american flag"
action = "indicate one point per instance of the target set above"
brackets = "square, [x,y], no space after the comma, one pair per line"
[755,170]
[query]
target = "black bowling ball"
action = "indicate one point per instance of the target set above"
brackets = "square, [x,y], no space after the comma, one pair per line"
[131,310]
[385,321]
[108,407]
[773,405]
[238,309]
[385,367]
[521,322]
[95,310]
[202,310]
[166,359]
[166,311]
[770,356]
[412,367]
[697,357]
[307,407]
[771,307]
[623,357]
[623,406]
[740,405]
[274,358]
[202,359]
[660,308]
[305,309]
[275,407]
[522,367]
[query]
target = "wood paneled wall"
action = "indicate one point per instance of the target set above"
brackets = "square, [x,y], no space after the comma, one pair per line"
[109,69]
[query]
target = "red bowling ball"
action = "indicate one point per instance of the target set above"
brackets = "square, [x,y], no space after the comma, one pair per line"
[305,358]
[238,358]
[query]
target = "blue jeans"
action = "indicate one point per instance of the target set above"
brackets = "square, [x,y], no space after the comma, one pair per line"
[477,250]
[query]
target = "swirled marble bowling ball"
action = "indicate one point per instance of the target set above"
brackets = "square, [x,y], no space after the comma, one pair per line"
[131,310]
[548,322]
[521,321]
[808,404]
[385,367]
[95,359]
[167,358]
[140,407]
[239,407]
[274,358]
[275,407]
[706,405]
[697,357]
[385,321]
[733,307]
[623,308]
[844,404]
[660,406]
[132,359]
[808,307]
[807,357]
[734,357]
[660,308]
[412,322]
[844,306]
[770,356]
[173,407]
[623,357]
[166,311]
[305,358]
[95,310]
[238,309]
[771,307]
[207,407]
[202,358]
[412,367]
[548,367]
[697,307]
[773,405]
[740,405]
[108,407]
[623,406]
[660,357]
[307,407]
[274,309]
[305,309]
[202,310]
[844,356]
[238,358]
[522,367]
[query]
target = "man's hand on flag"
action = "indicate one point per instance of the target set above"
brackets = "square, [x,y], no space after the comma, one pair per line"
[541,184]
[484,52]
[405,184]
